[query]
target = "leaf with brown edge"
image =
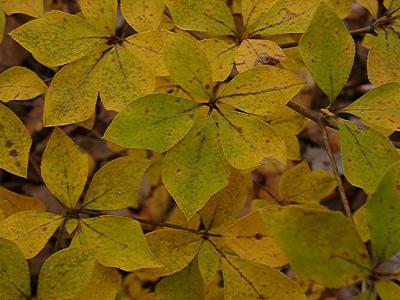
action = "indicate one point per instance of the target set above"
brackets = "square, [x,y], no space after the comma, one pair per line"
[65,168]
[11,203]
[263,90]
[143,15]
[30,230]
[15,143]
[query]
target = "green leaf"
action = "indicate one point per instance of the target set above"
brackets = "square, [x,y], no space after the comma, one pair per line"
[382,215]
[15,143]
[101,14]
[387,290]
[247,280]
[383,63]
[117,184]
[58,38]
[14,272]
[156,122]
[30,230]
[66,273]
[65,168]
[119,242]
[263,90]
[195,169]
[213,17]
[11,203]
[19,83]
[366,155]
[143,15]
[379,107]
[247,140]
[328,51]
[327,248]
[188,65]
[33,8]
[253,9]
[208,261]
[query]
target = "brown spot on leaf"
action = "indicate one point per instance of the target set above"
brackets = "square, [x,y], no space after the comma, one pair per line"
[13,153]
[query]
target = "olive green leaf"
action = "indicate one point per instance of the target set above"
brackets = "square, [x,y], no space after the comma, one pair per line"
[370,5]
[379,107]
[65,168]
[328,51]
[327,248]
[14,272]
[143,15]
[195,169]
[253,9]
[11,203]
[15,143]
[2,24]
[117,184]
[19,83]
[387,290]
[101,14]
[208,261]
[119,242]
[155,122]
[248,280]
[366,155]
[382,215]
[263,90]
[30,230]
[32,8]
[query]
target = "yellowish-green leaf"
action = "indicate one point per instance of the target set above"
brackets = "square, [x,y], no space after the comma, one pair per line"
[186,284]
[71,225]
[208,261]
[247,140]
[387,290]
[361,224]
[58,38]
[383,62]
[143,15]
[18,83]
[30,230]
[119,242]
[195,169]
[11,203]
[341,7]
[175,249]
[32,8]
[65,168]
[380,107]
[370,5]
[66,273]
[252,53]
[263,90]
[15,143]
[221,55]
[124,78]
[2,24]
[328,51]
[213,17]
[79,83]
[177,217]
[248,280]
[382,215]
[253,9]
[300,184]
[321,245]
[394,6]
[117,184]
[14,272]
[250,238]
[188,65]
[226,205]
[366,154]
[101,14]
[156,122]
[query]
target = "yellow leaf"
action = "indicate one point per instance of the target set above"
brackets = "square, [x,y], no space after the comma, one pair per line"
[33,8]
[175,249]
[248,280]
[15,143]
[177,217]
[143,15]
[124,78]
[117,184]
[14,272]
[253,9]
[119,242]
[195,169]
[327,248]
[208,261]
[341,7]
[11,203]
[65,168]
[58,38]
[18,83]
[252,53]
[383,63]
[213,17]
[387,290]
[30,230]
[101,14]
[371,5]
[263,90]
[361,224]
[2,24]
[250,238]
[328,51]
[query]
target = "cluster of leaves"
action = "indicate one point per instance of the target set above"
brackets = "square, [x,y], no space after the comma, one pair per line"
[207,86]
